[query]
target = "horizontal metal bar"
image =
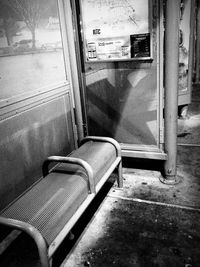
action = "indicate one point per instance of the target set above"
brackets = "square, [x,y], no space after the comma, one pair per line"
[146,59]
[144,154]
[20,104]
[34,93]
[71,160]
[140,147]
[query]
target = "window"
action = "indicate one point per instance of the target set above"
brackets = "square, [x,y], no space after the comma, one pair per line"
[31,54]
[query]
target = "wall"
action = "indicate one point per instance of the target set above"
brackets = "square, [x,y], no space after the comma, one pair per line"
[42,126]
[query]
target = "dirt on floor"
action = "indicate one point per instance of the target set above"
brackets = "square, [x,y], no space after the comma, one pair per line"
[148,223]
[128,233]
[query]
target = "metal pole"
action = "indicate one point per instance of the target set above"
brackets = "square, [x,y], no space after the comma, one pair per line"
[171,89]
[67,14]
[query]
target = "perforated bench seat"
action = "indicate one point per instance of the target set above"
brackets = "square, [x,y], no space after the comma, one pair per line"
[50,203]
[99,155]
[49,210]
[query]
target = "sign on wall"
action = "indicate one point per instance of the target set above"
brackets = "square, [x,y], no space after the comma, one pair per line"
[116,29]
[184,44]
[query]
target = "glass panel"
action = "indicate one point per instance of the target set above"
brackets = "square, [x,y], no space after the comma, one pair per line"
[184,46]
[122,102]
[31,54]
[122,95]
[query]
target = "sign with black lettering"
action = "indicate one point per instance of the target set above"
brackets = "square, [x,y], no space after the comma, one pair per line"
[116,30]
[96,31]
[140,45]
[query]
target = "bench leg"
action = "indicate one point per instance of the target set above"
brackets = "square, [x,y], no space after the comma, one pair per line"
[120,177]
[33,233]
[71,236]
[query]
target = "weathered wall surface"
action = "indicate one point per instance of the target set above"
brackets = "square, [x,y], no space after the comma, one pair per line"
[29,137]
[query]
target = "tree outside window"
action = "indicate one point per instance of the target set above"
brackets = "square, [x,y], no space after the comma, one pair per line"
[31,54]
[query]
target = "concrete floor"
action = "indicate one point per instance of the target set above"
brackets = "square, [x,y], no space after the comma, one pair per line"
[147,223]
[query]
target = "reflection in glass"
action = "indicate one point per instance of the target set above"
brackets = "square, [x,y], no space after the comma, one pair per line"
[31,53]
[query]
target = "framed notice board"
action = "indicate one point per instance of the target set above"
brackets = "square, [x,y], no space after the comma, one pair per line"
[116,29]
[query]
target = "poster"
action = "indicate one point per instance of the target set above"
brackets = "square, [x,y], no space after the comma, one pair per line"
[184,46]
[116,29]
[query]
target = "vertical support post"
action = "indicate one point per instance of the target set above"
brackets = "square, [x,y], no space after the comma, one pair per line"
[171,89]
[120,177]
[66,15]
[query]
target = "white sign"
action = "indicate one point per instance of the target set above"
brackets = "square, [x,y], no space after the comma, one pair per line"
[109,24]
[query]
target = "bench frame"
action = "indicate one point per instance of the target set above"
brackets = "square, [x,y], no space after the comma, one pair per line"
[46,252]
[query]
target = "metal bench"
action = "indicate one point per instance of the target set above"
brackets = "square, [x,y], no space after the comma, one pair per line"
[48,211]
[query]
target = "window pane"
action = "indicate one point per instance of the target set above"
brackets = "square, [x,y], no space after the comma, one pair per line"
[31,54]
